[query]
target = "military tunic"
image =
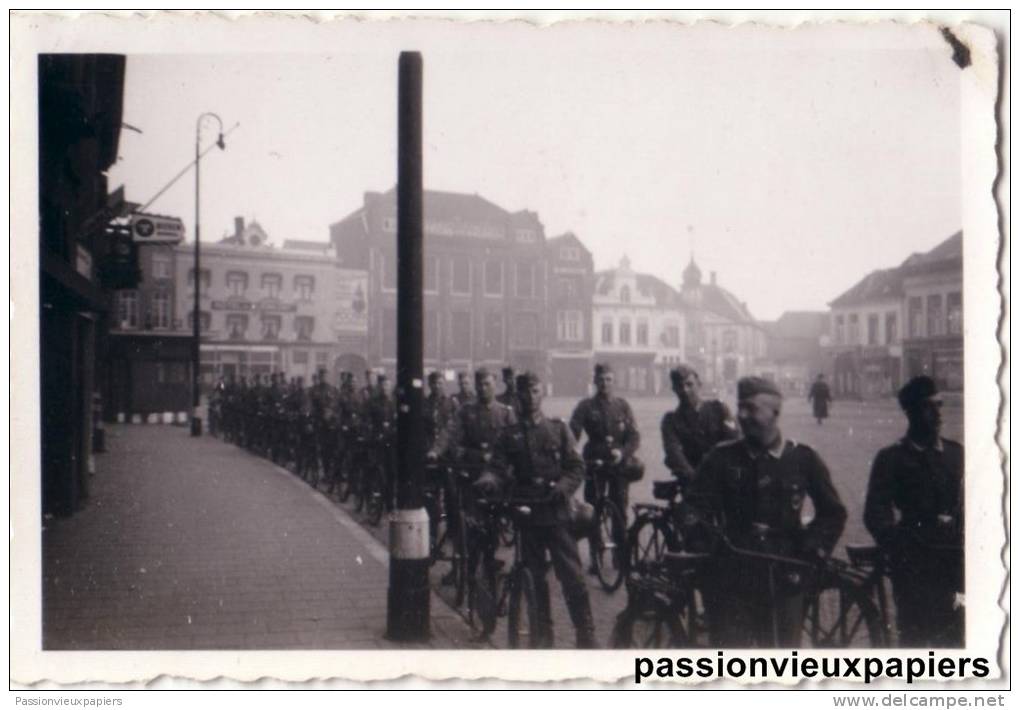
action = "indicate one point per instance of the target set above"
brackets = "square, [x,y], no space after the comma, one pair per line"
[757,500]
[925,486]
[688,434]
[477,431]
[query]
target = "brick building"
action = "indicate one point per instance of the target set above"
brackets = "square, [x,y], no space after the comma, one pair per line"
[485,280]
[571,286]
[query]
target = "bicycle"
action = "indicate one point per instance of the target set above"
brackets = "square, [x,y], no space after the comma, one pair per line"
[654,532]
[839,612]
[447,536]
[495,593]
[607,543]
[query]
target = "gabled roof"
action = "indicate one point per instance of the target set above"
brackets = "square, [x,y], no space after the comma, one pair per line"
[721,302]
[647,285]
[946,252]
[306,245]
[452,206]
[879,285]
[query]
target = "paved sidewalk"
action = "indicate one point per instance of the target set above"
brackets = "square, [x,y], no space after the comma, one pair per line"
[195,544]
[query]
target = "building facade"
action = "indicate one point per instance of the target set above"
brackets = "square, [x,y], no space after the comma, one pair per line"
[639,328]
[485,281]
[571,288]
[80,106]
[724,341]
[793,350]
[897,323]
[293,309]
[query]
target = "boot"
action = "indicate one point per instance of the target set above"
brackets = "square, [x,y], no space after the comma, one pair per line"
[584,623]
[544,636]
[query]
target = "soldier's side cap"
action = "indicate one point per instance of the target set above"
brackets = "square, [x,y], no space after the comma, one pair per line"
[481,373]
[527,379]
[917,390]
[603,368]
[681,372]
[508,371]
[748,387]
[434,376]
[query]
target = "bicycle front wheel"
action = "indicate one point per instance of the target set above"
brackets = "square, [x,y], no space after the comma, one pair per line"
[522,624]
[608,545]
[647,623]
[647,543]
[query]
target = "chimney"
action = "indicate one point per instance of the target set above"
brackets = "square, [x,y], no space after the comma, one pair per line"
[711,277]
[238,227]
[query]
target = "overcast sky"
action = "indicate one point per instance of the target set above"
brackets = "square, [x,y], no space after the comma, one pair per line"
[792,162]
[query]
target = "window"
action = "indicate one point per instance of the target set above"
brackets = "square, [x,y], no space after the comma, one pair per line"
[299,357]
[891,336]
[954,313]
[271,284]
[388,264]
[526,236]
[873,329]
[567,288]
[159,312]
[840,333]
[936,326]
[854,327]
[642,332]
[492,347]
[389,224]
[460,334]
[569,326]
[431,284]
[270,327]
[237,283]
[127,309]
[729,341]
[321,357]
[206,278]
[160,266]
[607,332]
[671,335]
[915,317]
[431,334]
[237,325]
[204,320]
[525,330]
[304,287]
[570,254]
[460,276]
[304,328]
[625,331]
[493,278]
[389,332]
[525,280]
[625,294]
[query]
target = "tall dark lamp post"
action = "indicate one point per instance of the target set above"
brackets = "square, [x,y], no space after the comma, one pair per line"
[196,355]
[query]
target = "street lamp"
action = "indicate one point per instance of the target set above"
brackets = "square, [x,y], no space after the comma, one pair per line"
[196,422]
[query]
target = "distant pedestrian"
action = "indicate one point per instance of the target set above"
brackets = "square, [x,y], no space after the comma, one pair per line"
[820,396]
[915,512]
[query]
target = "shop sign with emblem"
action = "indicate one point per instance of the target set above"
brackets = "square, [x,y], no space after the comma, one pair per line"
[156,229]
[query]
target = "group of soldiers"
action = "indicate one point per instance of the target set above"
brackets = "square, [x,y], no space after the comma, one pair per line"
[742,479]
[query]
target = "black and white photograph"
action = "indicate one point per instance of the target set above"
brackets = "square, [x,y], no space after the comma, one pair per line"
[657,338]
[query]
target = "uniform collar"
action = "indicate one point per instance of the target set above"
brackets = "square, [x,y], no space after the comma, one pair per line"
[775,451]
[937,446]
[533,419]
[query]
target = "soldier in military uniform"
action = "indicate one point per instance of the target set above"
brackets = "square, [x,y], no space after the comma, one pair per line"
[464,395]
[694,427]
[612,439]
[919,480]
[472,441]
[381,414]
[753,489]
[323,406]
[439,410]
[509,396]
[545,466]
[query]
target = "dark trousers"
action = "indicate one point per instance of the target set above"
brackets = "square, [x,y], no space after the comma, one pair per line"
[750,605]
[924,589]
[566,563]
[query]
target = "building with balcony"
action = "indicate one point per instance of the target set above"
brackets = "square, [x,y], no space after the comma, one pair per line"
[485,281]
[640,328]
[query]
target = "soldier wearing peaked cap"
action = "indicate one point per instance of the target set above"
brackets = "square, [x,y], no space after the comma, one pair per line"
[612,440]
[509,397]
[754,489]
[542,454]
[915,511]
